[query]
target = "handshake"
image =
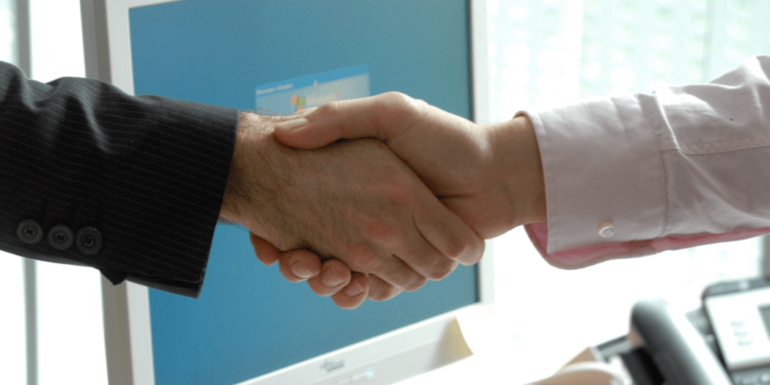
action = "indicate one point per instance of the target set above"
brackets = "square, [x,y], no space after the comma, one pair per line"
[370,197]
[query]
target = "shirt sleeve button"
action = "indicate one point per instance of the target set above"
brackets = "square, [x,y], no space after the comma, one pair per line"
[61,237]
[29,232]
[606,230]
[89,241]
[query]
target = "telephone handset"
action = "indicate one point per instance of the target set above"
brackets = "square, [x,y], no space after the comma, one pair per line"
[726,342]
[675,347]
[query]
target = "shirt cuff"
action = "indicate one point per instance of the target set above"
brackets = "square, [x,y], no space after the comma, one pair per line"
[601,167]
[590,255]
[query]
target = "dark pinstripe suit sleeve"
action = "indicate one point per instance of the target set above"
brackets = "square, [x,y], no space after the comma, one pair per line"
[148,173]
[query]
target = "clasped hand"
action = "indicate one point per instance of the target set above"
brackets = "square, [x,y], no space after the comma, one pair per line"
[370,218]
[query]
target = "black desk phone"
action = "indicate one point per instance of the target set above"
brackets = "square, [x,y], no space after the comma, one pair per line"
[726,341]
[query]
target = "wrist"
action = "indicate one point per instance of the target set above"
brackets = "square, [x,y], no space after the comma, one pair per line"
[260,177]
[253,168]
[235,191]
[518,170]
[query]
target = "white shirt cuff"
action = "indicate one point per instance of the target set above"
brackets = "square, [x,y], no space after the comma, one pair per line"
[601,171]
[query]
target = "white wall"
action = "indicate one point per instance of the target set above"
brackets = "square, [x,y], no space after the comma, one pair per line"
[71,334]
[13,352]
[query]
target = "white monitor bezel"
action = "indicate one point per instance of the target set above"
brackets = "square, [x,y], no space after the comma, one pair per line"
[128,335]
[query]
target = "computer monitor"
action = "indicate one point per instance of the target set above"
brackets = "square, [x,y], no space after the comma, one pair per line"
[250,326]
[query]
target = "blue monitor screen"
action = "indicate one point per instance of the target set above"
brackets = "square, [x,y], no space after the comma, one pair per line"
[283,56]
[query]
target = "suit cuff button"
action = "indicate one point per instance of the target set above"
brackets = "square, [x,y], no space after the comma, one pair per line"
[29,232]
[89,241]
[61,237]
[606,230]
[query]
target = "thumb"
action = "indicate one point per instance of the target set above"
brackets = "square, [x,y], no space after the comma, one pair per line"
[349,119]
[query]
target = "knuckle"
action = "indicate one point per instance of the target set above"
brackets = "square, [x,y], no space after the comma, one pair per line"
[339,267]
[319,288]
[376,297]
[420,282]
[383,293]
[396,98]
[364,262]
[379,232]
[402,103]
[328,109]
[475,251]
[405,104]
[442,270]
[458,247]
[344,304]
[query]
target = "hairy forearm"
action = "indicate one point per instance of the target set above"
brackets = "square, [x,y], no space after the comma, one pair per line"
[255,179]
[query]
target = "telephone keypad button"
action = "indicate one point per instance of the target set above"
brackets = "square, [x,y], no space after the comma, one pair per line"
[740,333]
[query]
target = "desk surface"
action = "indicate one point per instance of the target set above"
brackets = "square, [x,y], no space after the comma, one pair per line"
[514,363]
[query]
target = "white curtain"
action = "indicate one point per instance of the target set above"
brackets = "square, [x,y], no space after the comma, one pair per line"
[70,339]
[13,364]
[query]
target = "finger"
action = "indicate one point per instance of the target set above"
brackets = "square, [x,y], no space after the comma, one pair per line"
[266,252]
[334,276]
[349,119]
[302,113]
[419,254]
[380,290]
[354,294]
[396,272]
[299,265]
[452,237]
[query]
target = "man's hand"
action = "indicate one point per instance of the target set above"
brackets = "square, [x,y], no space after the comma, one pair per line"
[328,278]
[356,202]
[489,175]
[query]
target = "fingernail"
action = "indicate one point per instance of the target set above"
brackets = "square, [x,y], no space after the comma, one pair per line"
[354,289]
[300,270]
[291,125]
[330,278]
